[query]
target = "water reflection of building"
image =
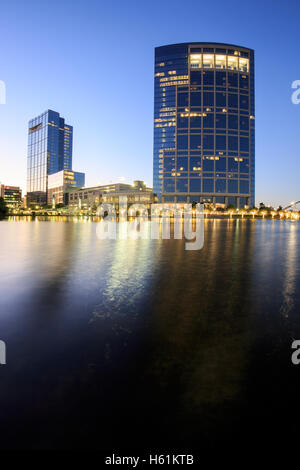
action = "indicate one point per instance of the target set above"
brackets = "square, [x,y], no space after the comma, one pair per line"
[204,124]
[201,331]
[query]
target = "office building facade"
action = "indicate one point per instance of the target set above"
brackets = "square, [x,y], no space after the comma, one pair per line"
[12,195]
[50,142]
[204,126]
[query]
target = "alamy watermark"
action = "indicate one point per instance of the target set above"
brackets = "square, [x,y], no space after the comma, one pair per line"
[295,356]
[2,92]
[2,353]
[296,94]
[166,219]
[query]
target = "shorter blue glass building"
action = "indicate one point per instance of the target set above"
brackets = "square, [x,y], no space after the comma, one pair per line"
[204,126]
[50,142]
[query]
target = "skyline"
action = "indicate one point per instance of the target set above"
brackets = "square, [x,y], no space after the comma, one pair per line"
[113,133]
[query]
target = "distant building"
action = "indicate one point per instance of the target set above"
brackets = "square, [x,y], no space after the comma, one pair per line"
[59,183]
[50,142]
[204,126]
[12,195]
[90,198]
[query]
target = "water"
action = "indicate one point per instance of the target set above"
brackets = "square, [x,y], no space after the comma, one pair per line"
[143,345]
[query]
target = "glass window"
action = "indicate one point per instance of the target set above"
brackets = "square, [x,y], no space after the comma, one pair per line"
[208,185]
[221,99]
[169,153]
[220,78]
[220,62]
[182,141]
[195,185]
[220,186]
[195,141]
[182,163]
[182,99]
[221,120]
[244,81]
[233,186]
[169,185]
[208,120]
[208,142]
[195,199]
[208,78]
[232,79]
[221,164]
[221,142]
[182,185]
[196,78]
[244,123]
[196,61]
[195,121]
[208,61]
[244,186]
[244,64]
[244,101]
[182,121]
[243,202]
[195,163]
[244,144]
[169,164]
[232,142]
[232,164]
[232,121]
[232,63]
[208,165]
[196,99]
[232,100]
[232,201]
[244,166]
[208,99]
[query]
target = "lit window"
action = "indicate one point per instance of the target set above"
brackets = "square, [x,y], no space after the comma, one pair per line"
[220,61]
[195,61]
[233,63]
[244,65]
[208,61]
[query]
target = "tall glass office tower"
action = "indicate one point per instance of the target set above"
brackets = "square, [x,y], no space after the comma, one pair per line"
[50,143]
[204,127]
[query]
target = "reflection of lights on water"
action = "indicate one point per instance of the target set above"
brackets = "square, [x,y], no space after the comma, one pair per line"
[291,272]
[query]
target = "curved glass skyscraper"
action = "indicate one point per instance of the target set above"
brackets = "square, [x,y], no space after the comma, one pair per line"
[204,127]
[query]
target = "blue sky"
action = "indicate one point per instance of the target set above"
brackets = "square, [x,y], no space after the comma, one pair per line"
[93,62]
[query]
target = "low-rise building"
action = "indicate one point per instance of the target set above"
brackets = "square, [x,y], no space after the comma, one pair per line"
[60,183]
[90,198]
[12,195]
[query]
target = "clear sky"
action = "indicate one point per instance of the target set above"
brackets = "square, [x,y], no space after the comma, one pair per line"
[92,61]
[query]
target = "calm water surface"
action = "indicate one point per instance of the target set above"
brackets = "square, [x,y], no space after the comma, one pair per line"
[142,344]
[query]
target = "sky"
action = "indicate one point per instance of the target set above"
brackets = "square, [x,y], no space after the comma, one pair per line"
[93,61]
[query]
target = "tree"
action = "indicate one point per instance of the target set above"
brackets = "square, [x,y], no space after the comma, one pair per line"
[3,208]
